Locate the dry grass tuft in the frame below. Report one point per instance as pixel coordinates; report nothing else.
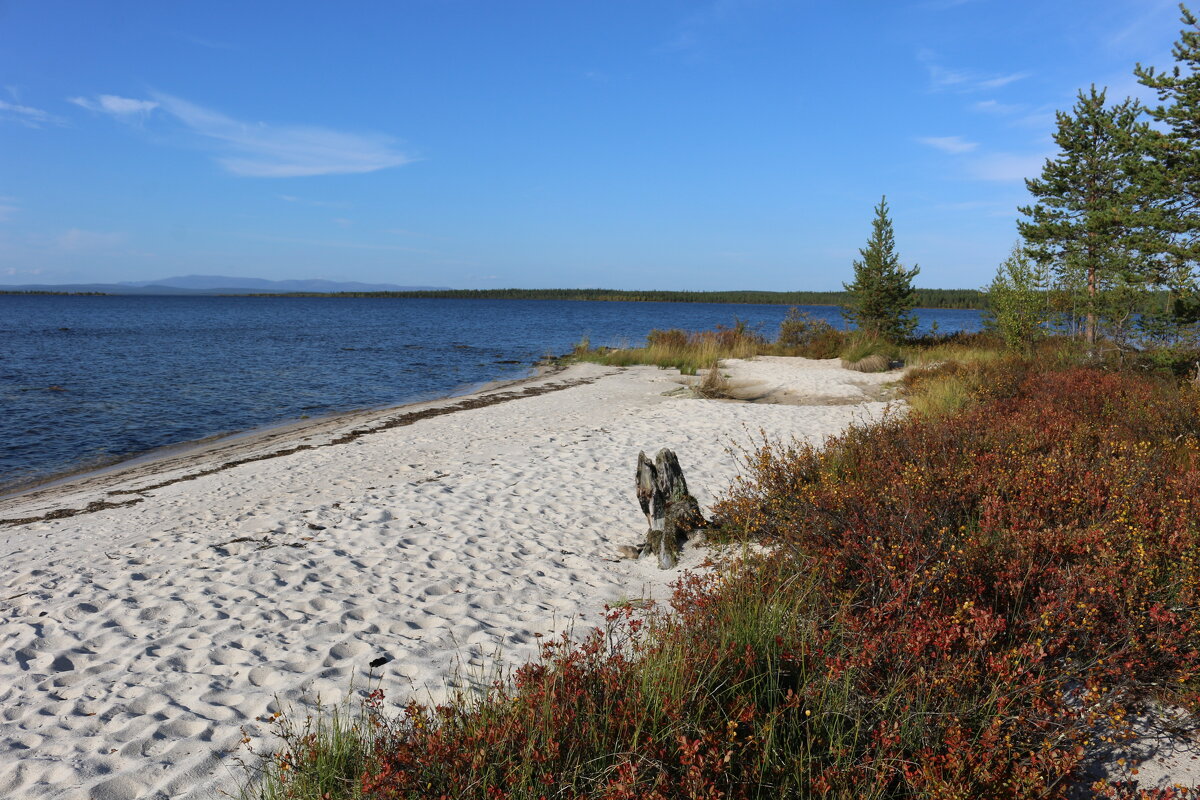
(872, 363)
(714, 384)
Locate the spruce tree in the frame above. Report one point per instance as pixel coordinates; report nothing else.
(882, 295)
(1086, 224)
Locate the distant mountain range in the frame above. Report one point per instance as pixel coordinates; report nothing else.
(219, 284)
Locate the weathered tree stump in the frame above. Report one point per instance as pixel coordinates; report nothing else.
(671, 511)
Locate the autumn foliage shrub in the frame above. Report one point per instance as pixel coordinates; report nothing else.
(1034, 554)
(803, 334)
(966, 606)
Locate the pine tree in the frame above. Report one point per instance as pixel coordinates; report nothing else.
(1170, 180)
(1087, 224)
(882, 295)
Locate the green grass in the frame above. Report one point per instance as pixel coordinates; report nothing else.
(940, 395)
(322, 757)
(687, 351)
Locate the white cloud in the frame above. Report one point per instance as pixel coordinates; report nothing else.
(264, 151)
(291, 198)
(8, 207)
(13, 271)
(338, 244)
(1007, 167)
(1144, 30)
(692, 32)
(942, 78)
(949, 144)
(1002, 80)
(211, 44)
(260, 150)
(115, 105)
(27, 115)
(76, 240)
(993, 107)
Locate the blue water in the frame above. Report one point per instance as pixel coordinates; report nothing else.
(137, 373)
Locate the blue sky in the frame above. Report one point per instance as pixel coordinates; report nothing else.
(577, 143)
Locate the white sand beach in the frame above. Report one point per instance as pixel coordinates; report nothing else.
(140, 639)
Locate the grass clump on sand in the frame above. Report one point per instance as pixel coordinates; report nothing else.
(867, 354)
(971, 605)
(325, 756)
(687, 351)
(800, 334)
(714, 384)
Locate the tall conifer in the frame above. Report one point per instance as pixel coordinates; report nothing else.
(1085, 223)
(1170, 180)
(882, 294)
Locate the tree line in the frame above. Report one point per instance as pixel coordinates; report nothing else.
(923, 298)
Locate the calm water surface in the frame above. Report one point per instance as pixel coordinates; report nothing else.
(135, 373)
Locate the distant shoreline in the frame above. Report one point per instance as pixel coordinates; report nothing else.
(936, 299)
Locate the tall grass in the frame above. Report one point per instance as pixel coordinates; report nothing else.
(687, 351)
(323, 756)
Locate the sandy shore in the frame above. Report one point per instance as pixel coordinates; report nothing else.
(149, 613)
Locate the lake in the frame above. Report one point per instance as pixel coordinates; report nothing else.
(86, 381)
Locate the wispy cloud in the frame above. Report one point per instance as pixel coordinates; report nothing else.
(263, 151)
(115, 105)
(1144, 29)
(994, 107)
(12, 272)
(336, 244)
(8, 207)
(77, 240)
(208, 43)
(304, 201)
(1002, 80)
(690, 34)
(1007, 167)
(28, 116)
(942, 78)
(949, 144)
(966, 205)
(942, 5)
(1019, 115)
(987, 208)
(259, 150)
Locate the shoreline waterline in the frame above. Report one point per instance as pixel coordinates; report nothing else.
(197, 450)
(94, 381)
(173, 606)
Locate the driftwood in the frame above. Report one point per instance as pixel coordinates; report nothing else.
(671, 511)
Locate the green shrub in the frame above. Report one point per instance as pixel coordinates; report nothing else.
(801, 334)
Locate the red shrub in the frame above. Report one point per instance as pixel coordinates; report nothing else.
(956, 608)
